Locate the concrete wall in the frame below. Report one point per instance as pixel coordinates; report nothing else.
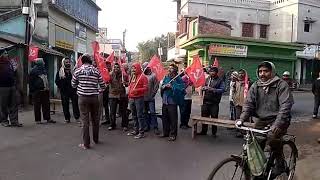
(14, 26)
(230, 13)
(42, 28)
(281, 19)
(209, 27)
(281, 15)
(91, 36)
(13, 3)
(313, 12)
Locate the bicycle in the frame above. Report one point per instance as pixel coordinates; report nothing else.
(240, 162)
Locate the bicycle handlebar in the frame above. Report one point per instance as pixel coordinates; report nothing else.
(252, 129)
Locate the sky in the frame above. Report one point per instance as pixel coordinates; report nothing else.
(143, 19)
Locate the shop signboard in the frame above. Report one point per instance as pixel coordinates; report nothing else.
(64, 39)
(228, 50)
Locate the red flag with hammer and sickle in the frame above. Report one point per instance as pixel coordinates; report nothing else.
(196, 73)
(157, 67)
(33, 53)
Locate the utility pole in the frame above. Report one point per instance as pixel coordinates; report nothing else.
(124, 38)
(26, 12)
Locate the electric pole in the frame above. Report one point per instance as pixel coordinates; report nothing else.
(26, 12)
(124, 38)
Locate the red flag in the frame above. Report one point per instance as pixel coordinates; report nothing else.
(157, 67)
(33, 53)
(124, 73)
(196, 73)
(111, 58)
(215, 63)
(101, 65)
(246, 85)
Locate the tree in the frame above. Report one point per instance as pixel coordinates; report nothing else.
(150, 47)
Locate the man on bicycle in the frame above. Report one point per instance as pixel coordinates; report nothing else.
(269, 100)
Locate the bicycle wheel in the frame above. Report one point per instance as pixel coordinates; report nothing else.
(230, 169)
(290, 153)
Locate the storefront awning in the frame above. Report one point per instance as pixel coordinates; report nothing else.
(51, 51)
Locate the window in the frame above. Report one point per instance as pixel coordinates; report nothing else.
(194, 30)
(263, 31)
(307, 26)
(247, 30)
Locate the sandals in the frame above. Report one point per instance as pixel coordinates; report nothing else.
(82, 146)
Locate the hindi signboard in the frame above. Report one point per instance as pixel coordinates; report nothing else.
(228, 50)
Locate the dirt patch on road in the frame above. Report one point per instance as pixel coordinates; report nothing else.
(307, 134)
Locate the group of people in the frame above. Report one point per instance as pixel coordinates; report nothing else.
(269, 99)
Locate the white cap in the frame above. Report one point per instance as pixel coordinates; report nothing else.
(286, 73)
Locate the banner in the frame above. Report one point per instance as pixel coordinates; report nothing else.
(196, 73)
(156, 67)
(33, 53)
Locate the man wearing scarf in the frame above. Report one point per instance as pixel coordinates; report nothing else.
(63, 82)
(39, 88)
(238, 93)
(270, 101)
(172, 92)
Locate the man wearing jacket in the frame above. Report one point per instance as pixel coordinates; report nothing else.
(270, 101)
(149, 100)
(39, 88)
(117, 96)
(137, 88)
(8, 88)
(63, 82)
(213, 90)
(316, 93)
(172, 92)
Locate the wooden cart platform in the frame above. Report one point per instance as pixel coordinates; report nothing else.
(211, 121)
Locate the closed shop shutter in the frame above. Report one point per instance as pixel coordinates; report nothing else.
(251, 66)
(227, 62)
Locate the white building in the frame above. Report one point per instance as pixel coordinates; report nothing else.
(274, 20)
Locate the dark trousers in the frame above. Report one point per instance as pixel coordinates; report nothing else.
(65, 98)
(41, 101)
(150, 114)
(136, 107)
(238, 111)
(316, 105)
(185, 112)
(123, 105)
(274, 140)
(232, 111)
(8, 105)
(89, 107)
(212, 111)
(170, 119)
(106, 106)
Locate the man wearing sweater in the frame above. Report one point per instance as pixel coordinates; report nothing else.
(149, 100)
(88, 81)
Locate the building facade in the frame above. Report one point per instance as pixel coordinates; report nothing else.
(274, 20)
(64, 26)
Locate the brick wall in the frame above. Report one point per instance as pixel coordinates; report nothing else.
(211, 27)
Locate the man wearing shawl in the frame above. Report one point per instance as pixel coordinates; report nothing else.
(172, 92)
(63, 82)
(270, 101)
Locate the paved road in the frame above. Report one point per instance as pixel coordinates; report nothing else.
(50, 152)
